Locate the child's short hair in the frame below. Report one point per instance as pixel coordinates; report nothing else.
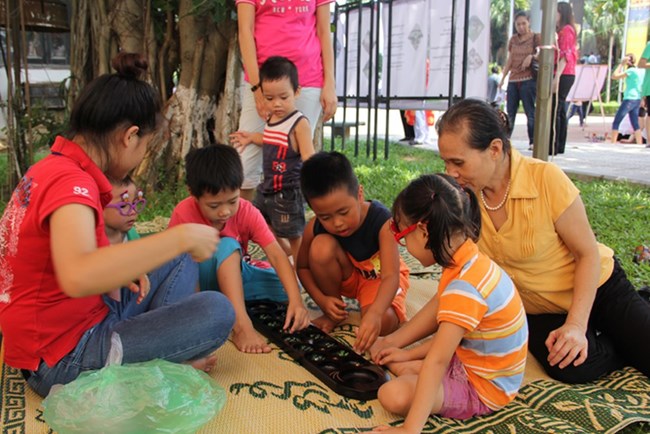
(444, 206)
(213, 169)
(324, 172)
(276, 68)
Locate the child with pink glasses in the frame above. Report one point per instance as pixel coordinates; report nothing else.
(119, 217)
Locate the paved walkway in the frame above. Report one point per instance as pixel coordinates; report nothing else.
(584, 157)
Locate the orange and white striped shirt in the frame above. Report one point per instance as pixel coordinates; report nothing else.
(478, 295)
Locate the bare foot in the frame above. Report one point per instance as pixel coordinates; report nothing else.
(204, 364)
(247, 340)
(325, 323)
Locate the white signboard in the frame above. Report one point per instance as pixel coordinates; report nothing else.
(359, 50)
(419, 34)
(588, 83)
(421, 31)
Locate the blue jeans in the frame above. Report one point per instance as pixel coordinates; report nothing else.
(258, 283)
(526, 92)
(173, 323)
(631, 107)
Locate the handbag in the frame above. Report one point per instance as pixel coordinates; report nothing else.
(534, 65)
(534, 68)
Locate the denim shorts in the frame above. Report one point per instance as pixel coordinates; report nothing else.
(284, 211)
(259, 283)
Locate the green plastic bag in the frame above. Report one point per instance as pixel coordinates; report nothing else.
(149, 397)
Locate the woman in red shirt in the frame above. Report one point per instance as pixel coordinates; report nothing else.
(56, 264)
(565, 75)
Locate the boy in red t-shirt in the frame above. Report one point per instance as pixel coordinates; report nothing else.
(214, 178)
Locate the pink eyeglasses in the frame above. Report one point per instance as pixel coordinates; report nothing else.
(126, 208)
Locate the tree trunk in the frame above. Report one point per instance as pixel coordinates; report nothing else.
(100, 34)
(203, 53)
(133, 27)
(81, 70)
(229, 107)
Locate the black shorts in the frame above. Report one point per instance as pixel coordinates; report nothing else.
(284, 211)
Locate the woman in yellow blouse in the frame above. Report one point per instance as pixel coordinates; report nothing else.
(585, 317)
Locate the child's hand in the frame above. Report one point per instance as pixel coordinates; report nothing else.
(391, 355)
(368, 332)
(380, 344)
(297, 317)
(142, 287)
(199, 240)
(241, 139)
(334, 308)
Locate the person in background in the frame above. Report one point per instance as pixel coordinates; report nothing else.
(493, 84)
(631, 97)
(300, 32)
(644, 62)
(564, 76)
(626, 132)
(409, 133)
(521, 85)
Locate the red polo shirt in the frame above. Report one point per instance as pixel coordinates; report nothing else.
(39, 322)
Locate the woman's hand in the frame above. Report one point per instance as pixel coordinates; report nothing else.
(567, 345)
(297, 317)
(142, 287)
(527, 61)
(328, 101)
(260, 104)
(199, 240)
(555, 84)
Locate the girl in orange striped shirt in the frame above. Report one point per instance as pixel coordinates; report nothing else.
(474, 362)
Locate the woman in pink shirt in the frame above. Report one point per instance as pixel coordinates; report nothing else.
(300, 31)
(565, 75)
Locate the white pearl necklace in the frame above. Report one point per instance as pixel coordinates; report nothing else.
(500, 205)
